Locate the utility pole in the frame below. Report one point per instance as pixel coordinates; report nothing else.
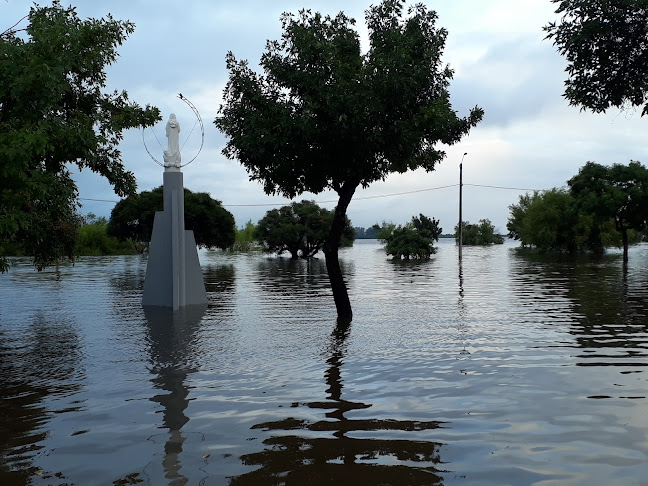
(460, 200)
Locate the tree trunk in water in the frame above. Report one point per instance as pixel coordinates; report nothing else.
(331, 247)
(624, 238)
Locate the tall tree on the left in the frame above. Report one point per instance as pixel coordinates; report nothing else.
(54, 113)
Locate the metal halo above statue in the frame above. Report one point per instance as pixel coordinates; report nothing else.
(172, 156)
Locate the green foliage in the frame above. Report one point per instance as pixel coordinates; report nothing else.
(93, 239)
(132, 219)
(384, 230)
(478, 234)
(617, 192)
(53, 112)
(550, 221)
(212, 224)
(246, 233)
(349, 118)
(300, 229)
(413, 240)
(604, 42)
(427, 227)
(323, 115)
(245, 238)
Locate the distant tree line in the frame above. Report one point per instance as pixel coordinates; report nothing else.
(370, 233)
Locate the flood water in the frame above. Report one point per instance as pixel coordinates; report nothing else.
(505, 370)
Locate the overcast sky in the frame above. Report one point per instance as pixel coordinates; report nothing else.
(529, 139)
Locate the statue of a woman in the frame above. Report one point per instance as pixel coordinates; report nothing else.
(172, 153)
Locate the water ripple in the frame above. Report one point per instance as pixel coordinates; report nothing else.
(506, 368)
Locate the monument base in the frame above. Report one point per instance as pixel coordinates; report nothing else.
(173, 275)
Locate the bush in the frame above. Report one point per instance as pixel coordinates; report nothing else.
(93, 240)
(413, 240)
(478, 234)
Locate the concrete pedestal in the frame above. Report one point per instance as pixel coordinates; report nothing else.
(173, 275)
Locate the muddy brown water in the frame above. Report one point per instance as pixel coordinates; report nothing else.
(507, 369)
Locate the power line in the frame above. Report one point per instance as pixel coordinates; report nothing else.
(408, 192)
(98, 200)
(501, 187)
(356, 198)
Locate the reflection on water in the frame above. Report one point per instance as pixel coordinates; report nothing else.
(604, 301)
(171, 334)
(506, 368)
(341, 459)
(38, 362)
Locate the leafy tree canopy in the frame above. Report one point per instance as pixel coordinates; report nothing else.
(299, 228)
(551, 221)
(482, 233)
(53, 112)
(618, 192)
(604, 42)
(324, 115)
(132, 218)
(413, 240)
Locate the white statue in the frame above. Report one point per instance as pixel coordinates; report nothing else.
(172, 153)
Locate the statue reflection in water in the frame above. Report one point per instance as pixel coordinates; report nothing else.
(171, 336)
(340, 459)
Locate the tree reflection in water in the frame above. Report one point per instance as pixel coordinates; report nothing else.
(171, 335)
(608, 305)
(41, 364)
(295, 459)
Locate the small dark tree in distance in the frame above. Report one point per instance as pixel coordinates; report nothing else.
(132, 218)
(300, 228)
(326, 116)
(480, 234)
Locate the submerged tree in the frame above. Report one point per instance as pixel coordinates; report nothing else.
(548, 221)
(413, 240)
(551, 221)
(618, 192)
(323, 115)
(132, 219)
(482, 233)
(53, 112)
(300, 229)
